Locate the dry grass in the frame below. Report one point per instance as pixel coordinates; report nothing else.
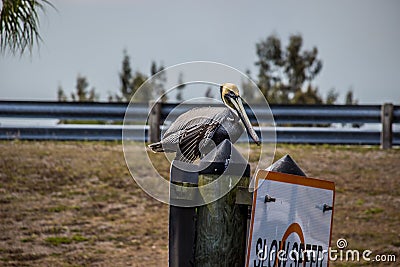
(75, 204)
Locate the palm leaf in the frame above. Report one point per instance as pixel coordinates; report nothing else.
(19, 24)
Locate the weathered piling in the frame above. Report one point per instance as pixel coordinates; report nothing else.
(213, 234)
(221, 225)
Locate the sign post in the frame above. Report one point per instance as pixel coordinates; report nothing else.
(291, 221)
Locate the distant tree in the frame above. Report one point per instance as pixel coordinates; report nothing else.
(164, 97)
(61, 95)
(247, 91)
(129, 83)
(309, 97)
(282, 73)
(159, 80)
(349, 99)
(332, 97)
(154, 69)
(125, 77)
(138, 79)
(82, 93)
(19, 24)
(209, 93)
(114, 97)
(180, 88)
(110, 97)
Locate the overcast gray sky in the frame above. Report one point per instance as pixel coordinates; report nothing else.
(358, 42)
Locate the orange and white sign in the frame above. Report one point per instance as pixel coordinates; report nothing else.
(291, 221)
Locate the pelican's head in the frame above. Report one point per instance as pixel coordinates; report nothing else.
(231, 98)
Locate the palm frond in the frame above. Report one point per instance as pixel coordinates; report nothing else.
(19, 24)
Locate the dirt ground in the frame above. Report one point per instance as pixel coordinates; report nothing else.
(75, 203)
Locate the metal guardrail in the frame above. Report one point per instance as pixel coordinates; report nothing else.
(283, 114)
(74, 132)
(296, 135)
(299, 114)
(96, 111)
(115, 112)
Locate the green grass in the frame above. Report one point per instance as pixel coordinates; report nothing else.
(372, 211)
(58, 240)
(79, 238)
(57, 209)
(359, 202)
(27, 239)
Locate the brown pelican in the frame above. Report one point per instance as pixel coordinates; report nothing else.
(191, 133)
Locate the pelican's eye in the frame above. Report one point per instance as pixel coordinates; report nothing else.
(232, 95)
(229, 97)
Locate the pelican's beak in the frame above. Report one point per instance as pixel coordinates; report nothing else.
(238, 105)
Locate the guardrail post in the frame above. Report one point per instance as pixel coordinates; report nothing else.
(154, 121)
(221, 225)
(387, 121)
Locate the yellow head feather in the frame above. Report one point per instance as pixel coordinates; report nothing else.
(229, 87)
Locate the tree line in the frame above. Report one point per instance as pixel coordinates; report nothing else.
(129, 84)
(285, 76)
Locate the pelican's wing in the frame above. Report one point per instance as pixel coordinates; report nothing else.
(186, 133)
(196, 116)
(191, 139)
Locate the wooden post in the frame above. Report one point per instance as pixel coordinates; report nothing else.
(387, 121)
(154, 121)
(221, 225)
